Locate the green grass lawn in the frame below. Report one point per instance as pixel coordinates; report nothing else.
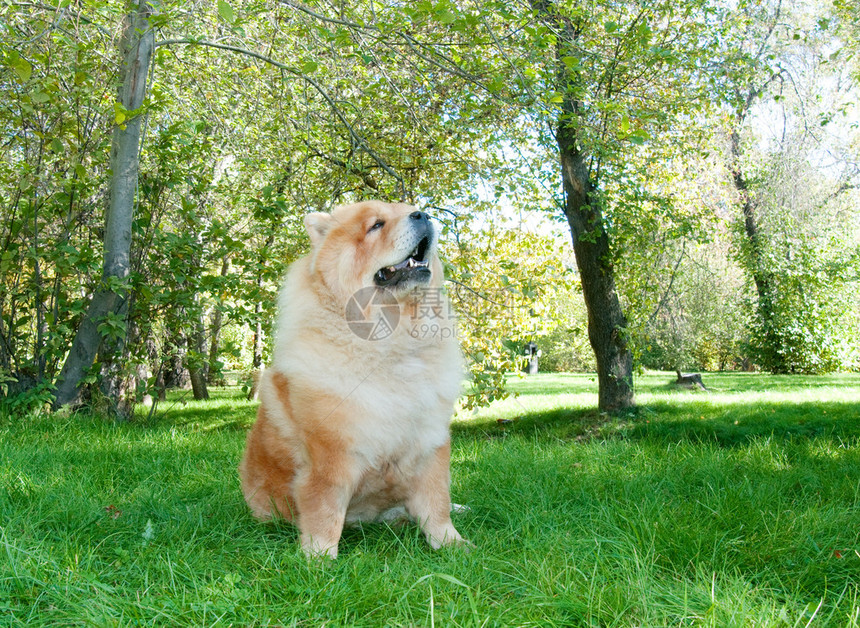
(737, 507)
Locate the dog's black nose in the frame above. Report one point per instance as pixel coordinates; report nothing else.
(419, 216)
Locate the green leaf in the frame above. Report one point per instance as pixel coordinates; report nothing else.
(496, 85)
(120, 113)
(310, 67)
(639, 137)
(510, 345)
(39, 97)
(610, 26)
(572, 63)
(22, 68)
(226, 12)
(113, 326)
(57, 145)
(446, 17)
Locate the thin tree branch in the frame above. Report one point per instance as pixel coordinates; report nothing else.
(324, 18)
(450, 66)
(482, 296)
(662, 302)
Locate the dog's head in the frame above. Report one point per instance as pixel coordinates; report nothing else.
(386, 245)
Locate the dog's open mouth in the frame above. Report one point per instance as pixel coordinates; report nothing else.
(416, 267)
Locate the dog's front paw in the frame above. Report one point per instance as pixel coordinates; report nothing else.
(462, 545)
(315, 549)
(448, 537)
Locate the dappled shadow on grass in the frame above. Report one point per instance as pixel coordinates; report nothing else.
(557, 423)
(773, 507)
(724, 424)
(763, 487)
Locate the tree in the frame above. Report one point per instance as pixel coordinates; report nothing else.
(607, 325)
(778, 58)
(105, 318)
(615, 77)
(51, 181)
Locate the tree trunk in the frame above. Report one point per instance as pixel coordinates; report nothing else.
(156, 365)
(116, 377)
(198, 384)
(196, 358)
(215, 374)
(607, 325)
(41, 326)
(6, 352)
(257, 357)
(761, 277)
(174, 349)
(136, 51)
(749, 210)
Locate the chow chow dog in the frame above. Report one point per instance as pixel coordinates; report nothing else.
(354, 408)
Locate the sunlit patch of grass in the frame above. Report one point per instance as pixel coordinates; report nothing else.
(736, 507)
(226, 408)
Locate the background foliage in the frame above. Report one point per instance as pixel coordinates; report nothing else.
(258, 112)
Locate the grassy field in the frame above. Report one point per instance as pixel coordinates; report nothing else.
(737, 507)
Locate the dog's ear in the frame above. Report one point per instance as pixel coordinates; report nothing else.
(317, 225)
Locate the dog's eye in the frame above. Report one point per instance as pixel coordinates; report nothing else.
(379, 224)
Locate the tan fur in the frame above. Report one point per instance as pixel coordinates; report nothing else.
(349, 428)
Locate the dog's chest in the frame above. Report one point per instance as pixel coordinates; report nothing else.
(397, 432)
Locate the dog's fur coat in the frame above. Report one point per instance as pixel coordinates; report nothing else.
(350, 428)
